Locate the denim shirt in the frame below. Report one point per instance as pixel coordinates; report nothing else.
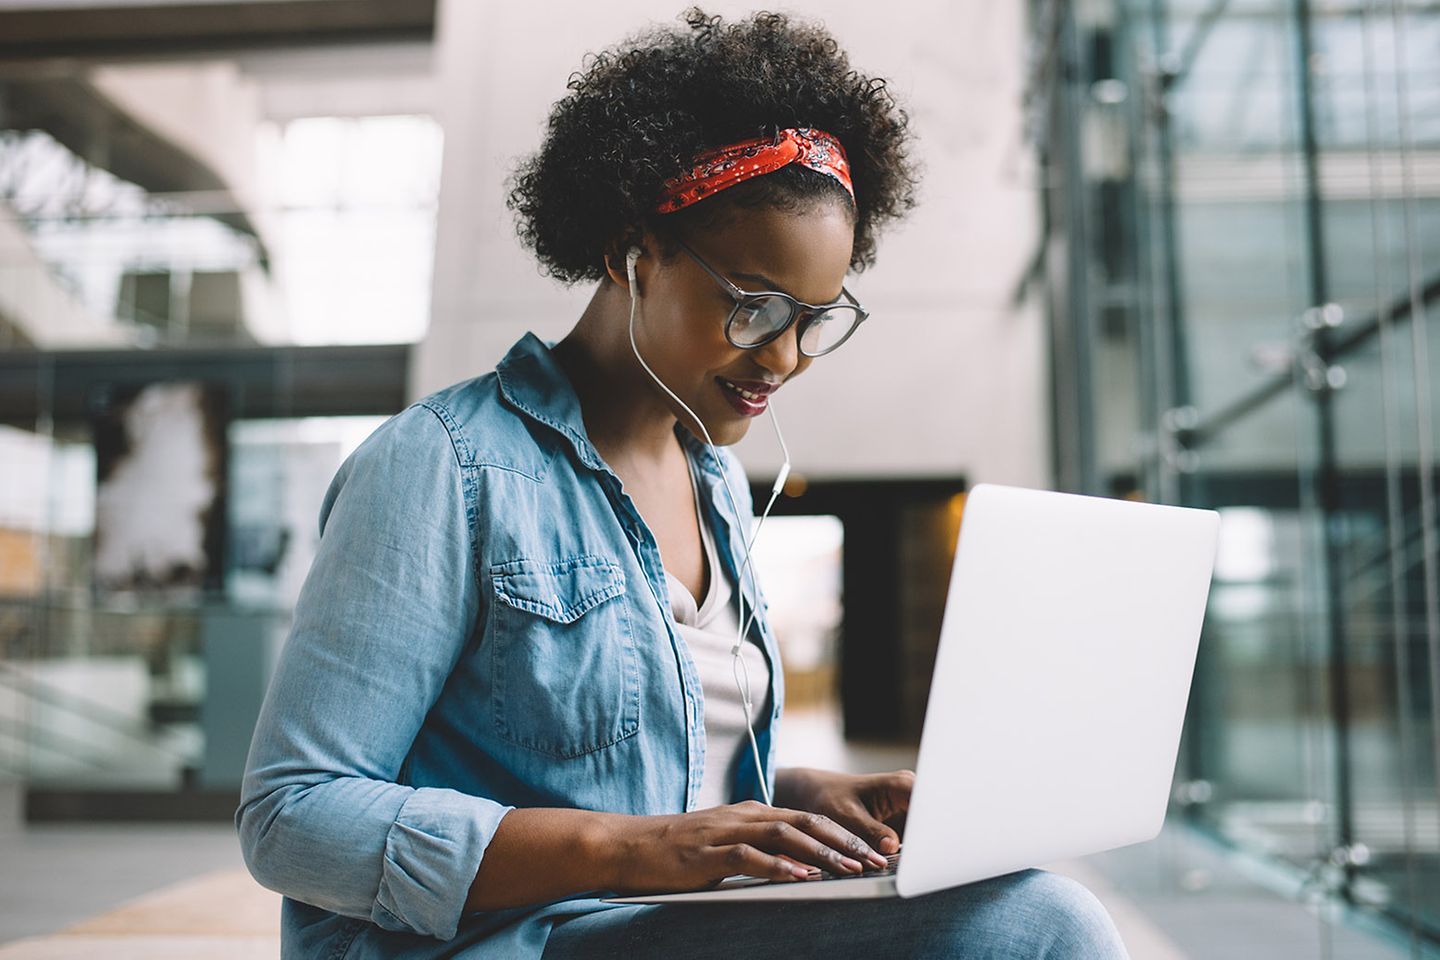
(486, 626)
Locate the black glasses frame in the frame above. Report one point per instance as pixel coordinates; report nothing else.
(804, 313)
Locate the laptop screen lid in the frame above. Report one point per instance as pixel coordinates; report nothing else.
(1060, 684)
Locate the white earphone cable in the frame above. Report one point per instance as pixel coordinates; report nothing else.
(738, 667)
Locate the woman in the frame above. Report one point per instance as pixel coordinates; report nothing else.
(508, 690)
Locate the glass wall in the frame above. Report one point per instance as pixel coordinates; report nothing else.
(205, 305)
(326, 202)
(149, 683)
(1243, 217)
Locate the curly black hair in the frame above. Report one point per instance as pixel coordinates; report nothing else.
(639, 114)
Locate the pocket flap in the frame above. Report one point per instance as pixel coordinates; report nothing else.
(563, 590)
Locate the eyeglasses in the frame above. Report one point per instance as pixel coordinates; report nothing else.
(758, 318)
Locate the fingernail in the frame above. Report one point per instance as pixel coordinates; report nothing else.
(889, 845)
(851, 864)
(878, 860)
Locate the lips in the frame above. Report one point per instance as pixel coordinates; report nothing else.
(748, 397)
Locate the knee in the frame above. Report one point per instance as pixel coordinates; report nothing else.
(1065, 918)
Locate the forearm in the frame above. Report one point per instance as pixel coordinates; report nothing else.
(541, 854)
(367, 848)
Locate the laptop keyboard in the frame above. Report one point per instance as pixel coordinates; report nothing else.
(892, 862)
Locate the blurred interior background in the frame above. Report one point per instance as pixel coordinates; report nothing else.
(1185, 251)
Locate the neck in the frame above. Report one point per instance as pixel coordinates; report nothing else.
(626, 416)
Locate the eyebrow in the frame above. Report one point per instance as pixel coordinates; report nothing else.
(766, 281)
(776, 288)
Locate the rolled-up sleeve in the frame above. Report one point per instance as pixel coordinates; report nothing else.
(387, 609)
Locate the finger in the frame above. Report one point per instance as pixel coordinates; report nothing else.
(836, 837)
(744, 858)
(861, 821)
(880, 836)
(832, 834)
(780, 837)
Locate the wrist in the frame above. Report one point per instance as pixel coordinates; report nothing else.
(609, 846)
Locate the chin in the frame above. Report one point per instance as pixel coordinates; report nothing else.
(725, 432)
(730, 433)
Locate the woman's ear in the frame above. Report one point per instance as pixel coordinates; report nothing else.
(620, 266)
(615, 269)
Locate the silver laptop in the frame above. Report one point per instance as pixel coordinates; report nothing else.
(1060, 685)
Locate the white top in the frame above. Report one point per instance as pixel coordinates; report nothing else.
(708, 630)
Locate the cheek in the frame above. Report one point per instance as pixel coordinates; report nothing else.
(680, 313)
(705, 318)
(685, 329)
(695, 334)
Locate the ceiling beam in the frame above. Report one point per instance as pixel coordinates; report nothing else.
(169, 29)
(263, 382)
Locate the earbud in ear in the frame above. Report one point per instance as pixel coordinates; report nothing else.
(631, 256)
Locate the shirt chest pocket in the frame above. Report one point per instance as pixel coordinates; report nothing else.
(565, 667)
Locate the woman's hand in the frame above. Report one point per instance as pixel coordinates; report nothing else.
(870, 805)
(691, 851)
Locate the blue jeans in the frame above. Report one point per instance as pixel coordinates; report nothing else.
(1032, 915)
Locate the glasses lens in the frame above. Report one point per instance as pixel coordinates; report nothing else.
(757, 319)
(828, 330)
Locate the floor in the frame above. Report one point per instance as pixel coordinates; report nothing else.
(1178, 898)
(56, 876)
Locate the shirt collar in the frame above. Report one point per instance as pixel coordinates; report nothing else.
(533, 383)
(699, 452)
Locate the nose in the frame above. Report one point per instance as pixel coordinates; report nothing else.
(782, 355)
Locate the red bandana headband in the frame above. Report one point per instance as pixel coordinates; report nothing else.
(715, 170)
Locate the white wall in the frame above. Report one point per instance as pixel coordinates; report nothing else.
(962, 375)
(208, 108)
